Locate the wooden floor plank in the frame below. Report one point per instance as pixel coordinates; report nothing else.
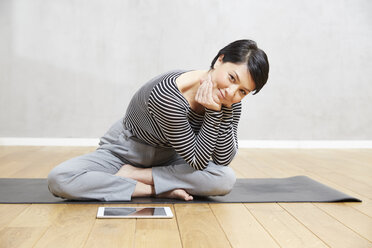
(38, 215)
(10, 211)
(71, 228)
(364, 155)
(335, 161)
(264, 165)
(343, 158)
(20, 237)
(199, 227)
(13, 237)
(113, 233)
(240, 227)
(158, 232)
(10, 152)
(364, 207)
(285, 229)
(247, 168)
(350, 217)
(235, 165)
(45, 160)
(30, 225)
(328, 229)
(16, 161)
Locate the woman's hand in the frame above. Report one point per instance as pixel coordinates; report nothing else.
(205, 95)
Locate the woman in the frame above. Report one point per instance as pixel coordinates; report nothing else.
(173, 126)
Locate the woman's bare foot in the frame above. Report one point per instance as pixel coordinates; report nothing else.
(177, 194)
(143, 175)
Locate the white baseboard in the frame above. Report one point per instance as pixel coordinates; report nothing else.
(339, 144)
(331, 144)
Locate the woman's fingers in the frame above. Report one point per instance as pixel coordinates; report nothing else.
(206, 97)
(209, 78)
(210, 91)
(200, 94)
(202, 91)
(213, 98)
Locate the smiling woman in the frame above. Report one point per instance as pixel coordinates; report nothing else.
(237, 70)
(246, 52)
(177, 138)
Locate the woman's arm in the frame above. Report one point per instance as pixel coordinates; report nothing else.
(171, 116)
(227, 141)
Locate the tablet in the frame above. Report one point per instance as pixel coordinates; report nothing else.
(134, 212)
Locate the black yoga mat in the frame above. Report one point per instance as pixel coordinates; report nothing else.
(291, 189)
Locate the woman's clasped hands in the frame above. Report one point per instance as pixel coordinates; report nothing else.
(206, 95)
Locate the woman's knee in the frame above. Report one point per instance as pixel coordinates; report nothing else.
(55, 179)
(228, 180)
(221, 182)
(59, 180)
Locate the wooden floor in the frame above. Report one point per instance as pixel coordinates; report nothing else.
(202, 225)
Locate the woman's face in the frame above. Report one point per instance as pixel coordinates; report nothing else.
(232, 82)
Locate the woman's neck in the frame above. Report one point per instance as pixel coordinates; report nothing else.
(188, 84)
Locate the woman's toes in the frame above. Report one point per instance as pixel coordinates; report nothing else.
(177, 194)
(184, 195)
(189, 198)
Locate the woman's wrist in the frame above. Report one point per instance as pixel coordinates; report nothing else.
(229, 106)
(215, 115)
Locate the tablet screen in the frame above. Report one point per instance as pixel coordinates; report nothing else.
(134, 211)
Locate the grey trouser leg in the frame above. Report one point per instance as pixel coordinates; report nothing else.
(91, 176)
(214, 180)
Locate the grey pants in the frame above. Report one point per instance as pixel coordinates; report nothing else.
(92, 176)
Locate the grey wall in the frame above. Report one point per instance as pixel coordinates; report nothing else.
(69, 68)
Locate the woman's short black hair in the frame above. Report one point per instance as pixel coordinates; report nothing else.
(246, 51)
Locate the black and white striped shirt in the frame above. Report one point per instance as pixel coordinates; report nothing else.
(161, 116)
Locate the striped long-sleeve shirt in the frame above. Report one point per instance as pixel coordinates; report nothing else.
(161, 116)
